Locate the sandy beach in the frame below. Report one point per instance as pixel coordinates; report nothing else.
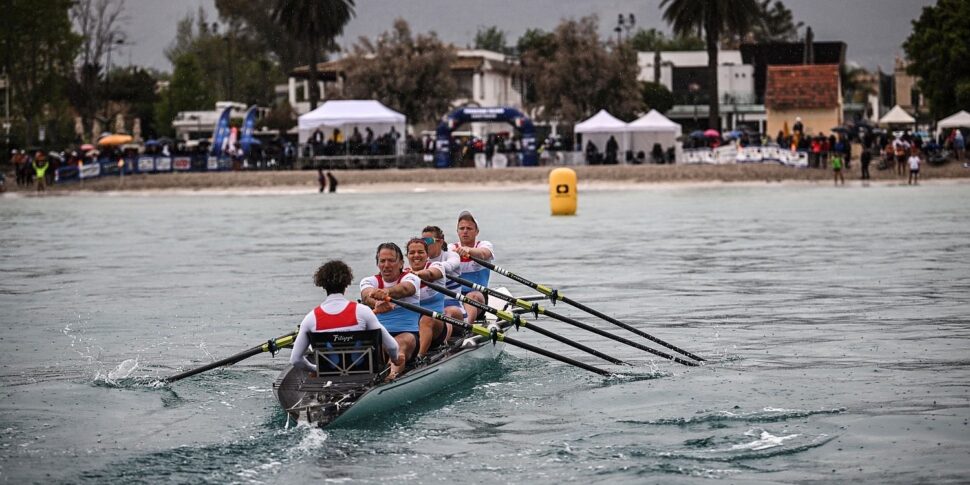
(536, 178)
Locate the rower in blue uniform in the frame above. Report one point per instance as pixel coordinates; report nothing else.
(469, 245)
(393, 282)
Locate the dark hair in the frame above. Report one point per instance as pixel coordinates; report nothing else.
(334, 276)
(468, 217)
(419, 240)
(389, 245)
(438, 234)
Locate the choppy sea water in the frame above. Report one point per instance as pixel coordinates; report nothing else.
(835, 323)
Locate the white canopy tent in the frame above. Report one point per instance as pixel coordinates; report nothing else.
(600, 127)
(958, 120)
(349, 114)
(897, 116)
(652, 128)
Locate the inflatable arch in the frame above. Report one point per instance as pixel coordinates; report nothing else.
(460, 116)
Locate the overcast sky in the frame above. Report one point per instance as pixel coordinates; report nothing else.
(874, 30)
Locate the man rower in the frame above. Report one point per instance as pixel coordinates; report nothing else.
(438, 252)
(393, 282)
(433, 332)
(469, 245)
(337, 314)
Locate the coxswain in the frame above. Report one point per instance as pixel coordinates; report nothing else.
(393, 282)
(469, 245)
(433, 332)
(438, 252)
(337, 314)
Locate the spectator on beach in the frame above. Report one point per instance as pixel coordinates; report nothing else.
(40, 166)
(322, 179)
(798, 127)
(901, 150)
(20, 167)
(836, 159)
(865, 159)
(914, 163)
(612, 147)
(592, 153)
(332, 182)
(959, 144)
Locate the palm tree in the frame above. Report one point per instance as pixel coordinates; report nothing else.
(315, 23)
(715, 18)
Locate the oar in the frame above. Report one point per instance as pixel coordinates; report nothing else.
(539, 310)
(494, 334)
(271, 345)
(554, 295)
(515, 320)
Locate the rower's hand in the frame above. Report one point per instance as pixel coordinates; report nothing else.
(379, 294)
(464, 251)
(383, 307)
(399, 361)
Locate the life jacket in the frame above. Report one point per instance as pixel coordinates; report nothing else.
(329, 321)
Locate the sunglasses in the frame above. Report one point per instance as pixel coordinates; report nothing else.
(427, 240)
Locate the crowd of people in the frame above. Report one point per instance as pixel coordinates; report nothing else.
(407, 336)
(357, 144)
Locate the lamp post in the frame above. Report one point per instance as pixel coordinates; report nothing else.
(107, 77)
(694, 88)
(228, 39)
(624, 23)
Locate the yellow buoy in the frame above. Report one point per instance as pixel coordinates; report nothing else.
(562, 191)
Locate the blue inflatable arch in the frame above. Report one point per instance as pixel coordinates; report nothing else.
(460, 116)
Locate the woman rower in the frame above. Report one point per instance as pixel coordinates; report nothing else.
(433, 332)
(337, 314)
(393, 282)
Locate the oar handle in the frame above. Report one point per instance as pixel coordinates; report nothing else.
(479, 330)
(550, 292)
(271, 345)
(516, 320)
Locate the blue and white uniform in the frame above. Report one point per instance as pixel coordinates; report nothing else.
(473, 271)
(399, 319)
(452, 264)
(431, 299)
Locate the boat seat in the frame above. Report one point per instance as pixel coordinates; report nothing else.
(345, 357)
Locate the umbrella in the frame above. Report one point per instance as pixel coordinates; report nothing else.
(151, 143)
(712, 133)
(165, 141)
(840, 129)
(114, 140)
(696, 134)
(87, 147)
(733, 135)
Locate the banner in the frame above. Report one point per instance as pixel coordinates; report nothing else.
(90, 170)
(212, 163)
(220, 134)
(182, 164)
(146, 164)
(246, 138)
(163, 164)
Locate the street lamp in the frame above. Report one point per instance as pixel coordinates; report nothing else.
(107, 76)
(228, 40)
(624, 23)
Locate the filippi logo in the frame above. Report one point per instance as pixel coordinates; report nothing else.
(343, 338)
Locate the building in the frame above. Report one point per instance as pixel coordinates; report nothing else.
(484, 78)
(905, 92)
(811, 92)
(194, 125)
(685, 74)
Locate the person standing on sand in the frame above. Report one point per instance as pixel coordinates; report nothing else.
(333, 182)
(865, 159)
(40, 169)
(914, 162)
(322, 179)
(836, 160)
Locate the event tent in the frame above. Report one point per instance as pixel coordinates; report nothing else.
(651, 128)
(349, 114)
(897, 116)
(598, 130)
(958, 120)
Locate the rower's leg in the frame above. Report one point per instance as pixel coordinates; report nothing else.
(426, 331)
(470, 310)
(406, 344)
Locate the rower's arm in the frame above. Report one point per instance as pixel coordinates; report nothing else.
(405, 288)
(366, 298)
(430, 274)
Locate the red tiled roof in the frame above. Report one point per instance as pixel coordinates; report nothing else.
(807, 87)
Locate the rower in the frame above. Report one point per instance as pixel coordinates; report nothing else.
(337, 314)
(433, 332)
(393, 282)
(469, 245)
(438, 252)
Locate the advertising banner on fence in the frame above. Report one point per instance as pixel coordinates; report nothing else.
(163, 164)
(212, 163)
(146, 164)
(90, 170)
(182, 164)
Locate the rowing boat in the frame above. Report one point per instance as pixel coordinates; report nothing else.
(339, 402)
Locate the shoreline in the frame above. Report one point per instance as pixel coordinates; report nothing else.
(590, 178)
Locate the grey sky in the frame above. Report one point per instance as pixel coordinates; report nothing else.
(874, 30)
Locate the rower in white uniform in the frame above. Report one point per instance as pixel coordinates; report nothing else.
(438, 252)
(392, 281)
(337, 314)
(433, 332)
(469, 245)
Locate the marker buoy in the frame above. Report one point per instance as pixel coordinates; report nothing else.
(562, 191)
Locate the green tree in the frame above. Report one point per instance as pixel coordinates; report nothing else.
(574, 75)
(99, 24)
(938, 50)
(186, 92)
(134, 90)
(539, 45)
(316, 23)
(715, 18)
(253, 19)
(492, 39)
(656, 96)
(38, 49)
(652, 40)
(777, 24)
(409, 74)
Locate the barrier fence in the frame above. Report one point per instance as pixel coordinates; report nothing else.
(142, 164)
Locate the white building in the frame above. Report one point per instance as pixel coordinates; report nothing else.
(484, 78)
(193, 125)
(685, 74)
